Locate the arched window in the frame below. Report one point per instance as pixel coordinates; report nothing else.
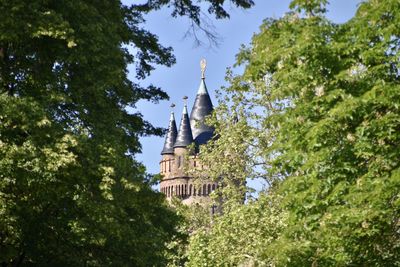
(190, 190)
(194, 190)
(205, 190)
(185, 190)
(209, 189)
(213, 187)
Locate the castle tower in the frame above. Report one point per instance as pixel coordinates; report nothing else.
(178, 160)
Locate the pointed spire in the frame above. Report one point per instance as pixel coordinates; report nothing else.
(202, 88)
(170, 138)
(202, 107)
(185, 136)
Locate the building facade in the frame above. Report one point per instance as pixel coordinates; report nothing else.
(178, 160)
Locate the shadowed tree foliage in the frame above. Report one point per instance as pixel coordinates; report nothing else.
(71, 192)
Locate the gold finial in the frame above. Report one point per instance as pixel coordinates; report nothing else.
(185, 98)
(203, 65)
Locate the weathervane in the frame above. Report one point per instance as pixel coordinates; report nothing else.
(203, 65)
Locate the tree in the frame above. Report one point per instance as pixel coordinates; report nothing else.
(323, 105)
(241, 237)
(71, 192)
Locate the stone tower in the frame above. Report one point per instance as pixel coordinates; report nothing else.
(176, 180)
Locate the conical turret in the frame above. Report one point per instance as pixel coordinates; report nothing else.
(185, 136)
(170, 138)
(202, 107)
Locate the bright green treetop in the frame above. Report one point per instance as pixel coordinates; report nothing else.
(321, 104)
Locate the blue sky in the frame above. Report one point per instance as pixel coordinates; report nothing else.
(184, 77)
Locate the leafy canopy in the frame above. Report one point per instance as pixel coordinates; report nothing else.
(320, 102)
(71, 192)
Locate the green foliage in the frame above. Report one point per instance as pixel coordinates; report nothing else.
(193, 10)
(71, 193)
(195, 219)
(241, 237)
(320, 102)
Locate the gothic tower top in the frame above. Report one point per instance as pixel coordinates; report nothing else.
(171, 135)
(178, 164)
(185, 136)
(202, 107)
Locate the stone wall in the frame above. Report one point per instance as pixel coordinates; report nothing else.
(177, 183)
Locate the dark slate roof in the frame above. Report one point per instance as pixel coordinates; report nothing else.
(170, 137)
(201, 108)
(185, 136)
